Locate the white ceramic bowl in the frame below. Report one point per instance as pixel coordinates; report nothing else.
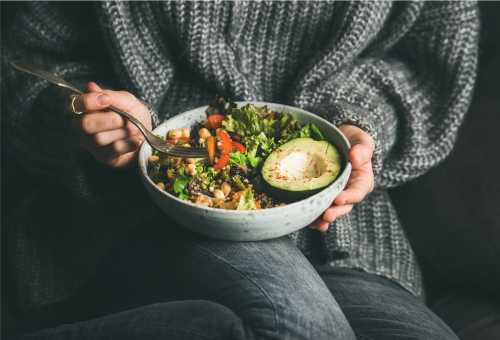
(251, 225)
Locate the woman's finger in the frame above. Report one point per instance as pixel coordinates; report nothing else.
(360, 154)
(104, 138)
(361, 180)
(110, 153)
(92, 87)
(360, 183)
(70, 104)
(335, 211)
(93, 101)
(357, 136)
(354, 194)
(330, 215)
(96, 122)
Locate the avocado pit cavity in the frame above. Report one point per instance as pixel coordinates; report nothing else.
(300, 165)
(301, 168)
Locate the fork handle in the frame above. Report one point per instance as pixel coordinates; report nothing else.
(134, 120)
(36, 71)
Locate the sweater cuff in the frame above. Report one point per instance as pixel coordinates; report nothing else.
(345, 113)
(155, 120)
(337, 240)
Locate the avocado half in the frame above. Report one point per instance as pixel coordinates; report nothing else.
(300, 168)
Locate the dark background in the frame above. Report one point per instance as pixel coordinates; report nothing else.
(451, 214)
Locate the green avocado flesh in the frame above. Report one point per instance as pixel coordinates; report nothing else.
(301, 168)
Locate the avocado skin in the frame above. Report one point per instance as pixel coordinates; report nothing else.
(290, 196)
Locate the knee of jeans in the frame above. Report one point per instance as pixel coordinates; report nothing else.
(193, 319)
(292, 310)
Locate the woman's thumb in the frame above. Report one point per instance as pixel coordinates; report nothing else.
(360, 154)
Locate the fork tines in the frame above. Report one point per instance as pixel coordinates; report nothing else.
(188, 152)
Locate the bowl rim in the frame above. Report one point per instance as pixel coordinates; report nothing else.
(143, 167)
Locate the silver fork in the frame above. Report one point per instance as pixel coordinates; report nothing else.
(155, 142)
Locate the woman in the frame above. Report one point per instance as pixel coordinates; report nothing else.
(396, 77)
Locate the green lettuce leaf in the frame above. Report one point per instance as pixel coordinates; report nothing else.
(308, 131)
(180, 185)
(255, 162)
(238, 158)
(304, 132)
(286, 126)
(246, 201)
(267, 145)
(208, 173)
(237, 181)
(315, 133)
(259, 145)
(249, 120)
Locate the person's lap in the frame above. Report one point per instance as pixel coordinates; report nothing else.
(170, 281)
(377, 308)
(269, 285)
(181, 285)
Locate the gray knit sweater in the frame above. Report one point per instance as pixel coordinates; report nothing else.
(403, 72)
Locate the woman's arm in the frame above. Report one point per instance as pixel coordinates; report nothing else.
(409, 87)
(57, 219)
(409, 90)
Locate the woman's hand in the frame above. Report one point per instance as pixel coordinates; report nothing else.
(112, 139)
(361, 180)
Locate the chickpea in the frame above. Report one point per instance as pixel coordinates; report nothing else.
(204, 133)
(190, 170)
(225, 188)
(185, 133)
(219, 194)
(174, 134)
(153, 160)
(190, 160)
(160, 185)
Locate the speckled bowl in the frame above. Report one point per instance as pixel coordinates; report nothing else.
(252, 225)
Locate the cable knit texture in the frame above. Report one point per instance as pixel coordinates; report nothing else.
(403, 72)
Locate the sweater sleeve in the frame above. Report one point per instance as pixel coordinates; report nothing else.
(57, 217)
(409, 86)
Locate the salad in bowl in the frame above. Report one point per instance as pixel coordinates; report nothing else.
(284, 168)
(259, 158)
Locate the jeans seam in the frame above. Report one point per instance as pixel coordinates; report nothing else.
(239, 271)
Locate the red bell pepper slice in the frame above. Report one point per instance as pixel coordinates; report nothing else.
(238, 147)
(225, 142)
(215, 121)
(225, 149)
(221, 162)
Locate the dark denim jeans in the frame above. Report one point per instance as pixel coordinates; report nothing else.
(169, 283)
